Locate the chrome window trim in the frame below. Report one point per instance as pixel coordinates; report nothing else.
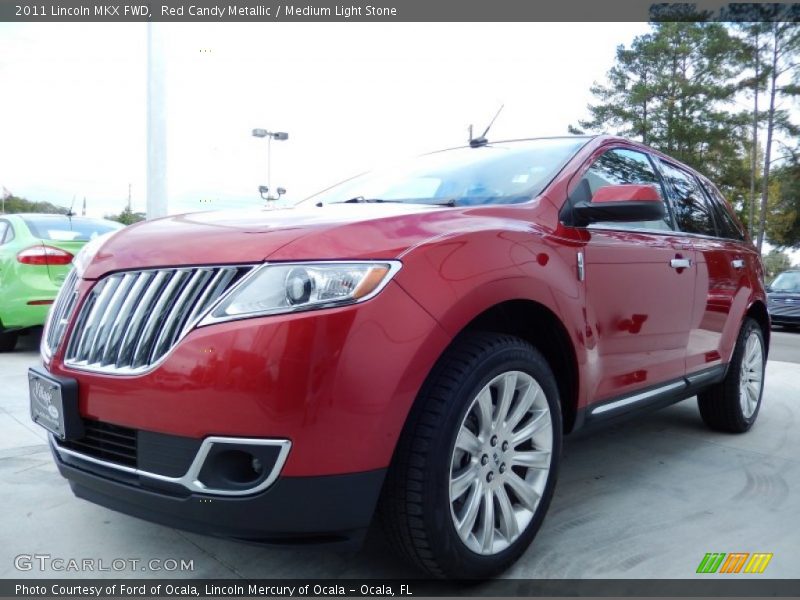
(190, 479)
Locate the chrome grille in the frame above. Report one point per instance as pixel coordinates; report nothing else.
(61, 313)
(130, 320)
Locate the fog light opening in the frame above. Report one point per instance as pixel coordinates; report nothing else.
(236, 466)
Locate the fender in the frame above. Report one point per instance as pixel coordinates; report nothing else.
(484, 269)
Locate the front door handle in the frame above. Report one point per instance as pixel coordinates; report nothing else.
(680, 263)
(738, 263)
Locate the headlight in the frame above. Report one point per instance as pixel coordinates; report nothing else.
(283, 288)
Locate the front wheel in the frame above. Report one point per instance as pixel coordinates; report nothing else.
(476, 466)
(733, 404)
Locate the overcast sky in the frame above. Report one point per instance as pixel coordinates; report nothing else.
(73, 101)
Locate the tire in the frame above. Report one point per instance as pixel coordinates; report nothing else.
(8, 340)
(732, 405)
(427, 470)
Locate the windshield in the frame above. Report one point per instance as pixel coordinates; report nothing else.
(788, 281)
(59, 228)
(503, 173)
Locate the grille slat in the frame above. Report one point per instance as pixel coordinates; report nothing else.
(153, 284)
(122, 322)
(130, 321)
(89, 438)
(109, 315)
(63, 308)
(144, 349)
(173, 314)
(86, 335)
(105, 441)
(123, 438)
(215, 288)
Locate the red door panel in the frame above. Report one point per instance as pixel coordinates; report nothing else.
(723, 290)
(641, 308)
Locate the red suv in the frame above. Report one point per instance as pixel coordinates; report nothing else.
(412, 343)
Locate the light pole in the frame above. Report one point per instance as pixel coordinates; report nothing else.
(270, 135)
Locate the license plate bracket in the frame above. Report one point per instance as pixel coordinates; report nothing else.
(54, 404)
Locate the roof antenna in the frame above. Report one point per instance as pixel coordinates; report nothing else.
(477, 142)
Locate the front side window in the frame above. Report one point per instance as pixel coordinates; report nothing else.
(616, 167)
(498, 173)
(693, 213)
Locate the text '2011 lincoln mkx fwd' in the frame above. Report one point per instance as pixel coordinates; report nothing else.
(409, 345)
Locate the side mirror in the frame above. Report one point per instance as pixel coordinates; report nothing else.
(620, 203)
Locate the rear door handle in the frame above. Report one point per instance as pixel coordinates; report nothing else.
(680, 263)
(738, 263)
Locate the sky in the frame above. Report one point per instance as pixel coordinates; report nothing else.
(350, 95)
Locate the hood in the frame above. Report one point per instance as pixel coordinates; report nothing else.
(793, 296)
(337, 231)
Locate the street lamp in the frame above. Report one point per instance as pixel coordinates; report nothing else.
(270, 135)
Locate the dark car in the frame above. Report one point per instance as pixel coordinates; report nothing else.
(784, 299)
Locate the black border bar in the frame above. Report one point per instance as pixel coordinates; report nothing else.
(390, 11)
(708, 586)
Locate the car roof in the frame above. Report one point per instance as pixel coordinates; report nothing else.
(518, 140)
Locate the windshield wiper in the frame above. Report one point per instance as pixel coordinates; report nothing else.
(360, 199)
(432, 201)
(438, 201)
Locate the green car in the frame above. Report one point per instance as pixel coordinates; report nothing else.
(35, 256)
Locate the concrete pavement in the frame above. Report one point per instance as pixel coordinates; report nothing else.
(646, 499)
(785, 345)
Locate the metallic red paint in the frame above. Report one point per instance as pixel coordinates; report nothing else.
(626, 193)
(340, 382)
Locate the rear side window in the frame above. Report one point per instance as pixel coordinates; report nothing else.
(616, 167)
(62, 229)
(3, 232)
(693, 212)
(728, 228)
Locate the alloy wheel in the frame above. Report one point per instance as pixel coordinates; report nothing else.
(500, 462)
(751, 375)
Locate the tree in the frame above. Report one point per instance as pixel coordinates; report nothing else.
(783, 224)
(15, 204)
(127, 216)
(783, 45)
(776, 262)
(629, 94)
(752, 60)
(670, 89)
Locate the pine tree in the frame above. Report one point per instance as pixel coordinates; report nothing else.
(670, 89)
(782, 67)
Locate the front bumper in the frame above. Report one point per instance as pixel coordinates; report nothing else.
(338, 383)
(319, 509)
(785, 315)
